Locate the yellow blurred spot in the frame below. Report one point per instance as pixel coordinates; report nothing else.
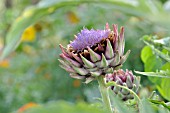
(73, 17)
(18, 19)
(27, 106)
(134, 19)
(51, 9)
(76, 83)
(27, 13)
(1, 43)
(28, 49)
(4, 63)
(29, 35)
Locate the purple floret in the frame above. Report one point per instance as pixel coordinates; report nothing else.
(88, 38)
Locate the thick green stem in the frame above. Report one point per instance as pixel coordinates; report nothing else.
(104, 93)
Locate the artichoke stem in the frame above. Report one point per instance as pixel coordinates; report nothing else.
(104, 93)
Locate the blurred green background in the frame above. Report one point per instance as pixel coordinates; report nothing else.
(31, 74)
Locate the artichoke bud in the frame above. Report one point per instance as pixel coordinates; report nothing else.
(123, 78)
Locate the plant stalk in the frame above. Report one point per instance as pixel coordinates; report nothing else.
(104, 93)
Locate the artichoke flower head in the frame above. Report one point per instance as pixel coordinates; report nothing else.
(94, 53)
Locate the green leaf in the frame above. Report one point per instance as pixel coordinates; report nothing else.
(119, 105)
(160, 103)
(153, 63)
(158, 52)
(162, 109)
(164, 88)
(146, 53)
(164, 41)
(161, 79)
(166, 66)
(162, 55)
(165, 83)
(146, 107)
(161, 74)
(165, 51)
(167, 48)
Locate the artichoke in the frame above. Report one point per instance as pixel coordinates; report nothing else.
(94, 52)
(126, 79)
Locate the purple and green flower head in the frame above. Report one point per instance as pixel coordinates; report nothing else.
(94, 53)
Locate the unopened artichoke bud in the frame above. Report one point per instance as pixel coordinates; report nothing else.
(126, 79)
(94, 52)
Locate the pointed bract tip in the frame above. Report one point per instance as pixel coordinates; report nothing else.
(121, 33)
(61, 46)
(109, 50)
(76, 76)
(71, 42)
(88, 80)
(115, 30)
(115, 27)
(62, 56)
(107, 26)
(62, 49)
(75, 37)
(122, 28)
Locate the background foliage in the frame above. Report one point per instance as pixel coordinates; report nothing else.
(30, 31)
